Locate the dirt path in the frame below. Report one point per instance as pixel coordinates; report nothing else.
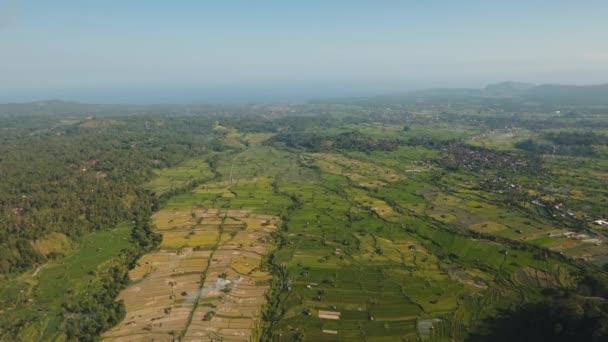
(232, 169)
(39, 269)
(203, 278)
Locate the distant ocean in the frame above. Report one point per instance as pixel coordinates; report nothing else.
(194, 94)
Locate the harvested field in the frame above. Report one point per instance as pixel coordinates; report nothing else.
(207, 290)
(329, 314)
(536, 277)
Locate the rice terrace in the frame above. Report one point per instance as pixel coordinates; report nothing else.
(212, 289)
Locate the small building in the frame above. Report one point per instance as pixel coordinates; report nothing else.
(601, 222)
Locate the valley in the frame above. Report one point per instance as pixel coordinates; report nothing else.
(332, 227)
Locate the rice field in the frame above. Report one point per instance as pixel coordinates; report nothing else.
(378, 246)
(173, 178)
(212, 288)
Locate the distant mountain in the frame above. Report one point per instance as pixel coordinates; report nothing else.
(569, 94)
(445, 93)
(507, 89)
(54, 102)
(508, 92)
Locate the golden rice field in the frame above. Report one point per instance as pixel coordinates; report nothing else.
(205, 284)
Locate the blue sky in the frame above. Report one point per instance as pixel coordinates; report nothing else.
(60, 44)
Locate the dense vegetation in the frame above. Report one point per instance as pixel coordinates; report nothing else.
(81, 177)
(569, 143)
(93, 309)
(349, 141)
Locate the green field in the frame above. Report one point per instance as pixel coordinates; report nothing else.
(72, 271)
(45, 291)
(176, 177)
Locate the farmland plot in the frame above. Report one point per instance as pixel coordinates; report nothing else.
(200, 288)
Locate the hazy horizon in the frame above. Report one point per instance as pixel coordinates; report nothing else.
(239, 51)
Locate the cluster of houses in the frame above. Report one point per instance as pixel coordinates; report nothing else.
(461, 156)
